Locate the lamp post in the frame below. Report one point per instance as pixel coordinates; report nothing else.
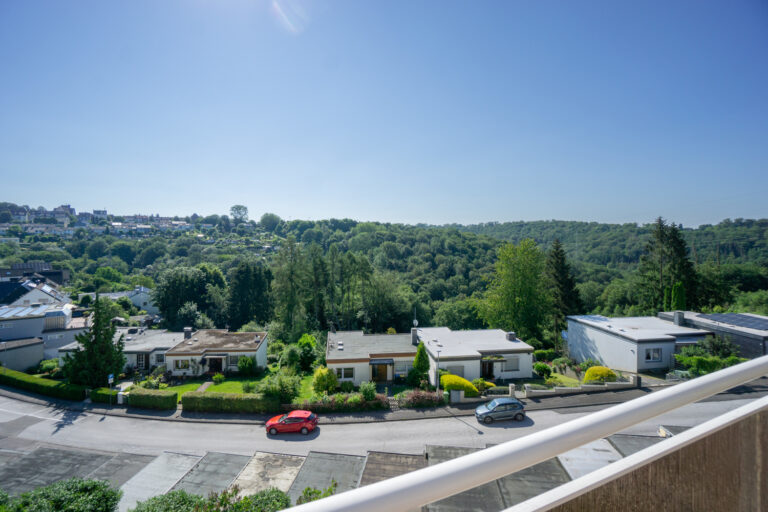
(437, 372)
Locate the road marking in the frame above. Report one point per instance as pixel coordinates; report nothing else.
(37, 416)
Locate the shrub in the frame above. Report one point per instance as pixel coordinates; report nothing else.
(249, 387)
(498, 390)
(267, 500)
(454, 382)
(42, 386)
(561, 363)
(291, 357)
(482, 385)
(419, 398)
(200, 401)
(543, 370)
(153, 398)
(104, 395)
(545, 355)
(312, 494)
(307, 344)
(341, 402)
(551, 382)
(150, 383)
(701, 365)
(48, 365)
(324, 380)
(159, 372)
(280, 387)
(218, 378)
(246, 366)
(73, 495)
(368, 390)
(600, 374)
(347, 386)
(415, 377)
(586, 365)
(174, 501)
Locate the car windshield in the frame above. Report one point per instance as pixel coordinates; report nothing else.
(283, 418)
(312, 416)
(492, 404)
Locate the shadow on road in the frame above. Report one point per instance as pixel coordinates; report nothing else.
(68, 417)
(294, 437)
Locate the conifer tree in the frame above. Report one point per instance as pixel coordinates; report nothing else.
(565, 296)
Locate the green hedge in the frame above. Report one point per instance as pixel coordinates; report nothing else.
(450, 382)
(153, 398)
(600, 374)
(545, 355)
(104, 395)
(340, 402)
(200, 401)
(40, 385)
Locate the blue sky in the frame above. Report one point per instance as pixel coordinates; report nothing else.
(401, 111)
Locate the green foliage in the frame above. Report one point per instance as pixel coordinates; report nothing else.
(246, 366)
(42, 386)
(417, 398)
(173, 501)
(73, 495)
(482, 385)
(545, 354)
(561, 363)
(543, 370)
(248, 387)
(201, 401)
(48, 365)
(248, 295)
(153, 398)
(104, 395)
(324, 380)
(718, 345)
(751, 302)
(269, 221)
(267, 500)
(341, 402)
(368, 390)
(453, 382)
(421, 360)
(702, 365)
(458, 313)
(291, 358)
(307, 345)
(347, 386)
(280, 387)
(312, 494)
(678, 297)
(599, 374)
(99, 356)
(218, 378)
(565, 296)
(586, 365)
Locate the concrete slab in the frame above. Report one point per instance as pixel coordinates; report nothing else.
(18, 445)
(381, 466)
(532, 481)
(626, 445)
(157, 477)
(320, 468)
(589, 457)
(674, 429)
(266, 470)
(121, 468)
(213, 473)
(45, 466)
(18, 425)
(484, 498)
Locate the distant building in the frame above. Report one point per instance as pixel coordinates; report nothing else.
(55, 325)
(141, 297)
(213, 351)
(747, 331)
(100, 214)
(35, 270)
(21, 354)
(30, 292)
(359, 357)
(631, 344)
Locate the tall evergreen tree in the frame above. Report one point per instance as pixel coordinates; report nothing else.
(248, 299)
(565, 296)
(99, 354)
(678, 297)
(289, 288)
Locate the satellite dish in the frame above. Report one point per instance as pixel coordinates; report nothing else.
(415, 323)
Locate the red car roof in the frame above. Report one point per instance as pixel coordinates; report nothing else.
(299, 414)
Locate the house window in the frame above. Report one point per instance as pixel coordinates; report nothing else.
(653, 355)
(511, 364)
(159, 358)
(455, 370)
(140, 361)
(181, 364)
(233, 360)
(345, 373)
(403, 367)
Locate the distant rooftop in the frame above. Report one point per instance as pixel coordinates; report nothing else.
(32, 311)
(748, 324)
(639, 328)
(469, 344)
(358, 345)
(212, 340)
(138, 340)
(24, 342)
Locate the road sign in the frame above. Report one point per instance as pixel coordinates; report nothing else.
(111, 378)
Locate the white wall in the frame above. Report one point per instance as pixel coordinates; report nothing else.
(35, 297)
(261, 353)
(143, 301)
(667, 355)
(525, 368)
(362, 371)
(471, 368)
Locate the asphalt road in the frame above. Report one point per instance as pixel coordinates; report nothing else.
(119, 434)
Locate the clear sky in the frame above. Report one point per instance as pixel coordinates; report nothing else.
(402, 111)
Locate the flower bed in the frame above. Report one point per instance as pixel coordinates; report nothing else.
(417, 398)
(340, 402)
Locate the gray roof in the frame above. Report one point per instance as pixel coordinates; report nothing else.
(357, 345)
(639, 328)
(207, 340)
(469, 344)
(745, 324)
(140, 340)
(32, 311)
(23, 342)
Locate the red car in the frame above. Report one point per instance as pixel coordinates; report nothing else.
(295, 421)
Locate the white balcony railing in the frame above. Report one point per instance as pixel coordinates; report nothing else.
(418, 488)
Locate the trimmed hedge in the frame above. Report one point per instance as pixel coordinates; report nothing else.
(153, 398)
(545, 355)
(341, 402)
(200, 401)
(600, 374)
(451, 382)
(498, 390)
(42, 386)
(417, 398)
(104, 395)
(543, 370)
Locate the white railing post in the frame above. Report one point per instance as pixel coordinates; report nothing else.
(433, 483)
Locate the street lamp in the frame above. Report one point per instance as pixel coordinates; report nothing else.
(437, 371)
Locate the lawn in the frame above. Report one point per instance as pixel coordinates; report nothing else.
(232, 385)
(305, 391)
(564, 380)
(184, 388)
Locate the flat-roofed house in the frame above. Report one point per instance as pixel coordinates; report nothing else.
(749, 332)
(357, 357)
(630, 344)
(215, 350)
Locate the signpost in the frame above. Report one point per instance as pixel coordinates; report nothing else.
(110, 380)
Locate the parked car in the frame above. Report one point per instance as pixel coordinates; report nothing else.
(295, 421)
(500, 409)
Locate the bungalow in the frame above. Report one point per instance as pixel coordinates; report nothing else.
(357, 357)
(747, 331)
(629, 344)
(212, 351)
(483, 353)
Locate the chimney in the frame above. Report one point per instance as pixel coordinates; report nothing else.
(414, 336)
(187, 333)
(511, 336)
(678, 317)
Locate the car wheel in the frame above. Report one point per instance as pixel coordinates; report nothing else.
(519, 417)
(304, 430)
(273, 431)
(487, 420)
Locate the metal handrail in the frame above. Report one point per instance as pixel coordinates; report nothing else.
(418, 488)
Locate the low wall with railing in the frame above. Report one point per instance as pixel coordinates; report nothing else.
(531, 392)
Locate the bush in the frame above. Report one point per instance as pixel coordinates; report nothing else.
(543, 370)
(561, 363)
(246, 366)
(418, 398)
(701, 365)
(482, 385)
(73, 495)
(150, 383)
(153, 398)
(586, 365)
(249, 387)
(600, 374)
(48, 365)
(341, 402)
(454, 382)
(42, 386)
(201, 401)
(347, 386)
(550, 383)
(545, 355)
(324, 380)
(174, 501)
(368, 390)
(267, 500)
(104, 395)
(498, 390)
(280, 387)
(218, 378)
(415, 377)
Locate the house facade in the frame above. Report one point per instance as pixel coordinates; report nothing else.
(357, 357)
(631, 344)
(748, 332)
(214, 351)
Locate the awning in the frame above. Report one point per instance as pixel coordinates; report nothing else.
(492, 357)
(381, 361)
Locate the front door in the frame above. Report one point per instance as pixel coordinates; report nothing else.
(214, 364)
(379, 372)
(486, 369)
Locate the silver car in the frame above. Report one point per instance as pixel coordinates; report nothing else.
(500, 409)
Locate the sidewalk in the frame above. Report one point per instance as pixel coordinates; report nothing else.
(755, 388)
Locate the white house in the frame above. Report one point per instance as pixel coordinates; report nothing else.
(747, 331)
(141, 297)
(31, 292)
(629, 344)
(213, 351)
(483, 353)
(357, 357)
